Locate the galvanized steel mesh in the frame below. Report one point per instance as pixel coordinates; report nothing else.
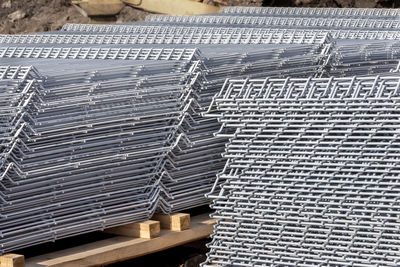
(311, 176)
(284, 22)
(312, 12)
(98, 147)
(103, 125)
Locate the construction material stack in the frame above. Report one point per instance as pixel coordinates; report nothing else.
(311, 171)
(104, 125)
(115, 131)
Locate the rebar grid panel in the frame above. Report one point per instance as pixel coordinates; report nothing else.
(177, 178)
(312, 165)
(149, 54)
(283, 22)
(65, 133)
(18, 73)
(364, 58)
(63, 125)
(312, 12)
(186, 166)
(157, 29)
(202, 29)
(129, 29)
(98, 53)
(244, 38)
(150, 29)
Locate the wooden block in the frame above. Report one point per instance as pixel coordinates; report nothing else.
(122, 248)
(147, 229)
(175, 222)
(12, 260)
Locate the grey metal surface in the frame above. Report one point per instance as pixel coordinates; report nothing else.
(109, 146)
(315, 12)
(176, 38)
(311, 173)
(283, 22)
(84, 151)
(102, 125)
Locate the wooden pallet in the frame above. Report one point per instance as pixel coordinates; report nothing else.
(132, 240)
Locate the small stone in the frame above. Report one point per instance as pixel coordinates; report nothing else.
(302, 2)
(365, 3)
(6, 4)
(17, 15)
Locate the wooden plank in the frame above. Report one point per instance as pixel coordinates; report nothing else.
(12, 260)
(147, 229)
(173, 222)
(122, 248)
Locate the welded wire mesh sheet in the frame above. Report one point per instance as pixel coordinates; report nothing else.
(61, 129)
(98, 53)
(185, 28)
(339, 28)
(311, 176)
(179, 69)
(390, 13)
(313, 23)
(201, 161)
(212, 38)
(173, 179)
(363, 58)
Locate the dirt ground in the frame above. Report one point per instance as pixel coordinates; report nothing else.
(28, 16)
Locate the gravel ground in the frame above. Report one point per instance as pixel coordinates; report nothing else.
(27, 16)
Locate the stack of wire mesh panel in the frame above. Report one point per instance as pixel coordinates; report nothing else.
(115, 131)
(353, 58)
(312, 12)
(130, 98)
(311, 163)
(156, 27)
(199, 162)
(346, 24)
(311, 173)
(83, 153)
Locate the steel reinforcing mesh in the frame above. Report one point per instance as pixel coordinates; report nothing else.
(312, 173)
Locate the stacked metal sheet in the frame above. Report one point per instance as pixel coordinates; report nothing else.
(283, 22)
(83, 153)
(104, 126)
(311, 173)
(115, 128)
(165, 39)
(353, 27)
(190, 166)
(312, 12)
(184, 28)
